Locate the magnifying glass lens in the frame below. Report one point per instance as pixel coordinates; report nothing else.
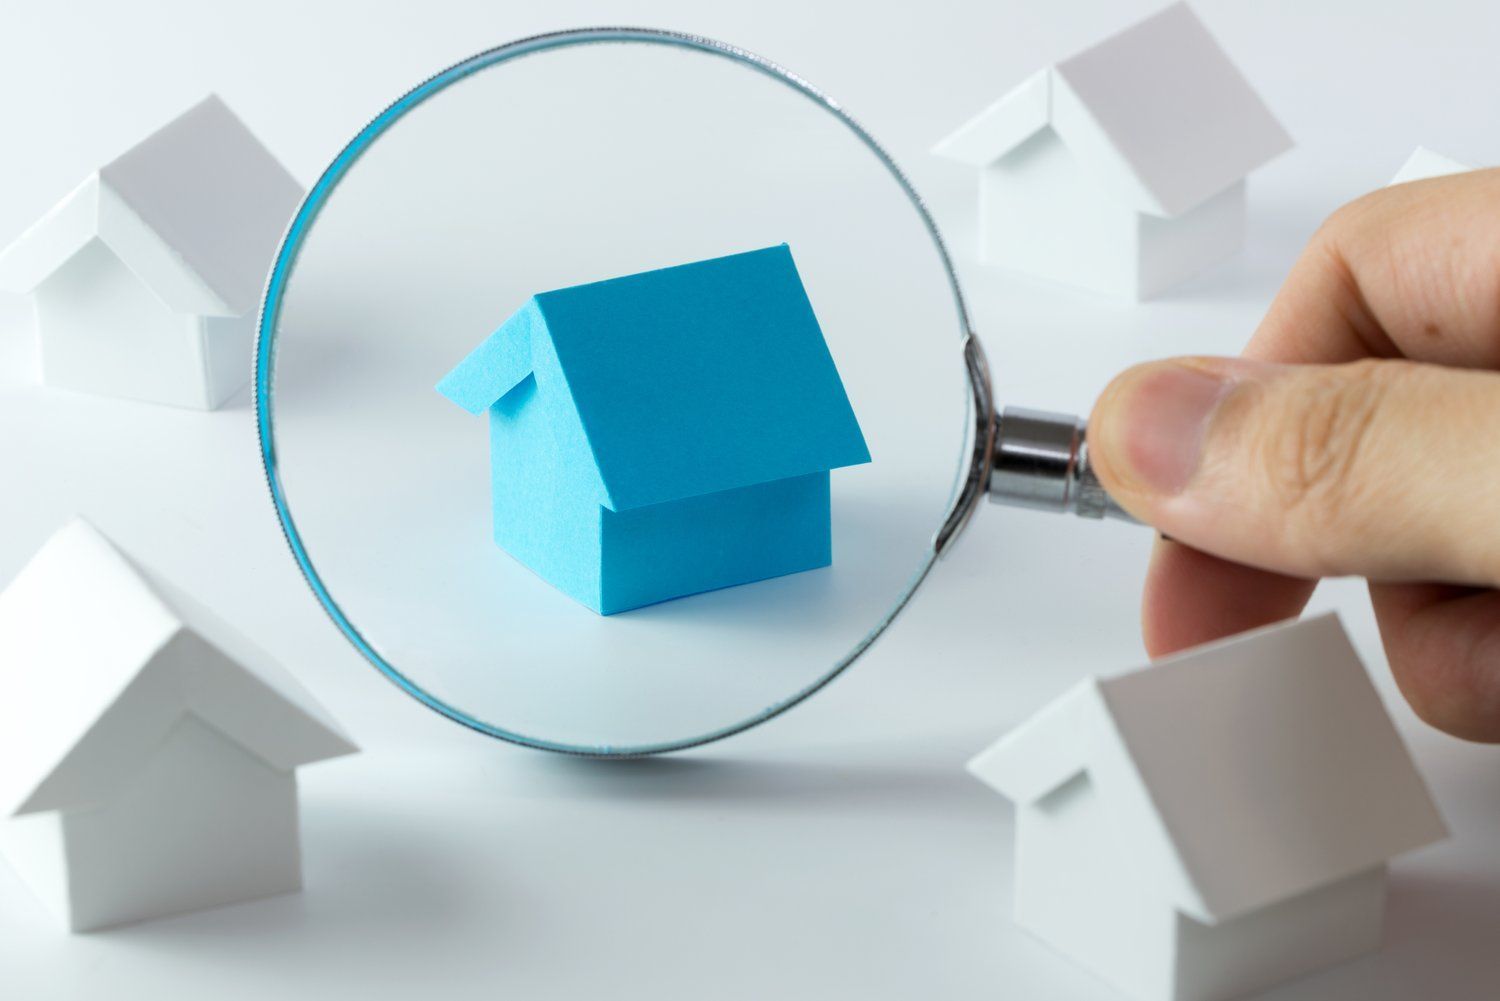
(447, 544)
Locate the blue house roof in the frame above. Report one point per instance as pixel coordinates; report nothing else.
(688, 380)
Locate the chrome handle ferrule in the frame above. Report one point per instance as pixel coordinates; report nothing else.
(1040, 460)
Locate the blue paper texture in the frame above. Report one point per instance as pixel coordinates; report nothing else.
(665, 433)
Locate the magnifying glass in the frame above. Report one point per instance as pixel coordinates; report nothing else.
(615, 392)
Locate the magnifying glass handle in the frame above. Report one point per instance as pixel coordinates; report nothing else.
(1041, 461)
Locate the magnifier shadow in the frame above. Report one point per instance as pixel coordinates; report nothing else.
(793, 784)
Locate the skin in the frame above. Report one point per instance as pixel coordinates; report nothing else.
(1359, 435)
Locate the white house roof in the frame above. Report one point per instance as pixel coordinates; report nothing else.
(1243, 772)
(1157, 113)
(1424, 163)
(99, 659)
(195, 210)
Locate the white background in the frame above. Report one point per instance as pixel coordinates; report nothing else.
(841, 850)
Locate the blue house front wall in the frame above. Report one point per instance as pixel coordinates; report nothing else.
(544, 489)
(664, 551)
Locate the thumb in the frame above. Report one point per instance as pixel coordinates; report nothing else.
(1384, 469)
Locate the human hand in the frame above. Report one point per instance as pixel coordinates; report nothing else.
(1358, 435)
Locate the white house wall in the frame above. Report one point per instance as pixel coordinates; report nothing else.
(1079, 889)
(1289, 939)
(1173, 250)
(203, 823)
(228, 345)
(1042, 214)
(33, 846)
(102, 331)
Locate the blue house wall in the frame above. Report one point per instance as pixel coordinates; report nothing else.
(717, 540)
(544, 491)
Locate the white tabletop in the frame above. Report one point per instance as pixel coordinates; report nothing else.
(841, 850)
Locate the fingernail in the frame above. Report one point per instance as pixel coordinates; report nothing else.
(1158, 421)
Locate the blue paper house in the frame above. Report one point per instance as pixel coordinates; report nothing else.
(664, 433)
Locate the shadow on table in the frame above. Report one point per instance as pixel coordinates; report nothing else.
(1441, 944)
(760, 783)
(372, 875)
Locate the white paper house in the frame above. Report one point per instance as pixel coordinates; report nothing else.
(1121, 169)
(146, 278)
(1424, 163)
(147, 750)
(1216, 823)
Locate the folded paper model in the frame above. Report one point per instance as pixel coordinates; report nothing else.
(1216, 823)
(1424, 163)
(1121, 169)
(147, 749)
(665, 433)
(145, 279)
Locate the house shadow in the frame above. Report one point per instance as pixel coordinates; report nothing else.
(242, 400)
(1253, 275)
(370, 875)
(1439, 945)
(1248, 279)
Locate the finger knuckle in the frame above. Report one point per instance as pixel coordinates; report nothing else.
(1315, 452)
(1351, 216)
